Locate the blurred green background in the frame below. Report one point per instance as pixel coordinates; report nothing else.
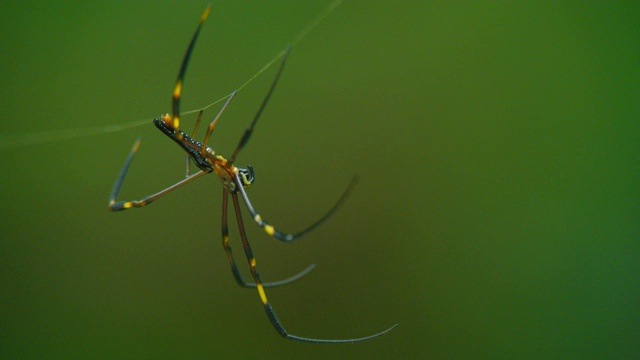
(497, 145)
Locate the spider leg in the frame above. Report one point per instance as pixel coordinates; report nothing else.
(249, 130)
(177, 91)
(232, 263)
(124, 205)
(271, 231)
(212, 125)
(263, 297)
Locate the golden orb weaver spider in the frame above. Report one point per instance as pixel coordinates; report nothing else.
(234, 181)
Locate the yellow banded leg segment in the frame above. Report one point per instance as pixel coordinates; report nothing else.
(247, 249)
(205, 15)
(269, 229)
(176, 97)
(177, 90)
(256, 278)
(263, 296)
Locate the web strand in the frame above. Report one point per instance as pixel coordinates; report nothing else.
(8, 141)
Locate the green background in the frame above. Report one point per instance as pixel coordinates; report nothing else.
(497, 145)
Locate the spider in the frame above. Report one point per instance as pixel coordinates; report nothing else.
(234, 181)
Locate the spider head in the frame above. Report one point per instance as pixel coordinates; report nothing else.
(247, 175)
